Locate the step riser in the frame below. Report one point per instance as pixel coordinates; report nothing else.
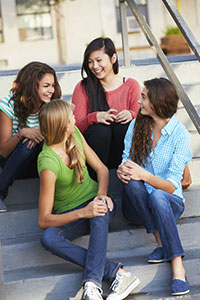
(157, 278)
(14, 224)
(188, 73)
(134, 242)
(27, 191)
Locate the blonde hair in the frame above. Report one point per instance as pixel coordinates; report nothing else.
(54, 118)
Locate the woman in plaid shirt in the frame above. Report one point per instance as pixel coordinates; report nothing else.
(157, 149)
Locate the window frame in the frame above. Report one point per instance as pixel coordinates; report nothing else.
(35, 17)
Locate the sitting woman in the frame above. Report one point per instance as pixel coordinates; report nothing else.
(20, 137)
(80, 205)
(105, 102)
(157, 148)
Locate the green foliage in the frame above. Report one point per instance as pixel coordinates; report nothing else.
(172, 30)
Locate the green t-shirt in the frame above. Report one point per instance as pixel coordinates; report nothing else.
(68, 193)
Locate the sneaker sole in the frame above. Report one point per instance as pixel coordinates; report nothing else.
(151, 261)
(3, 210)
(130, 288)
(180, 293)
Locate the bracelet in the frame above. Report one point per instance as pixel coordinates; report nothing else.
(18, 134)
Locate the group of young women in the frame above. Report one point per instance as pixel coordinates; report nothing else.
(75, 144)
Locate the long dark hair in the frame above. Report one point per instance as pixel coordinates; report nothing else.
(91, 85)
(164, 101)
(25, 90)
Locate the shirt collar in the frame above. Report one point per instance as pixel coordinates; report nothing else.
(169, 127)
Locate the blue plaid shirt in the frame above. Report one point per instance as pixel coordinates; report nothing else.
(170, 156)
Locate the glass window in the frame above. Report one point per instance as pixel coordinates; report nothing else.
(1, 26)
(132, 24)
(34, 19)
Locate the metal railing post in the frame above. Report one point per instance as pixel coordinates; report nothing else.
(125, 44)
(2, 286)
(165, 64)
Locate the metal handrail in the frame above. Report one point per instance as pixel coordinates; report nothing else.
(161, 56)
(180, 22)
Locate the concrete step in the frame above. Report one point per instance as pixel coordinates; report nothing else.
(184, 118)
(21, 219)
(32, 273)
(25, 252)
(187, 72)
(26, 191)
(62, 281)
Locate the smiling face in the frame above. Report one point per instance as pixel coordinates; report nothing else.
(145, 104)
(100, 64)
(46, 88)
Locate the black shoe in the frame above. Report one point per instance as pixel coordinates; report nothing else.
(3, 208)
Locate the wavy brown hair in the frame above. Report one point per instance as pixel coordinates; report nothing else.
(91, 84)
(25, 90)
(164, 102)
(54, 118)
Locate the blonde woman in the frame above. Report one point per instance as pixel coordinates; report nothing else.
(80, 204)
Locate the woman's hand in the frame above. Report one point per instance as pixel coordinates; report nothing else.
(136, 171)
(106, 117)
(124, 173)
(106, 200)
(130, 170)
(123, 117)
(96, 208)
(32, 134)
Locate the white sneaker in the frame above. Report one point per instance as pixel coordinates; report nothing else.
(123, 285)
(3, 208)
(92, 291)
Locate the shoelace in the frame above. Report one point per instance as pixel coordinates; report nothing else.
(92, 291)
(116, 283)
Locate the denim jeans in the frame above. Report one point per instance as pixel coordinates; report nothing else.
(21, 163)
(158, 211)
(96, 266)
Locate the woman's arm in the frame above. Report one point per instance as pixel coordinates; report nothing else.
(83, 117)
(130, 170)
(131, 98)
(46, 199)
(81, 109)
(7, 141)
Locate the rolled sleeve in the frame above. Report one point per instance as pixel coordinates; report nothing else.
(181, 157)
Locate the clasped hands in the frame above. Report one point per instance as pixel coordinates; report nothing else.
(130, 170)
(98, 207)
(111, 115)
(33, 135)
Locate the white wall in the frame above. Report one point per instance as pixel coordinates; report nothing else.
(80, 22)
(18, 53)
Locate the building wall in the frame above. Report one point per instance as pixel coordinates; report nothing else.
(80, 21)
(17, 53)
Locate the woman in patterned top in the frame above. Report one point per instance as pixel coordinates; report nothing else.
(20, 137)
(157, 148)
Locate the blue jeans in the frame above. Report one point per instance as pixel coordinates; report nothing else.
(22, 161)
(158, 211)
(96, 266)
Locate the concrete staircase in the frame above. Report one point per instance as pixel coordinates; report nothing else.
(32, 273)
